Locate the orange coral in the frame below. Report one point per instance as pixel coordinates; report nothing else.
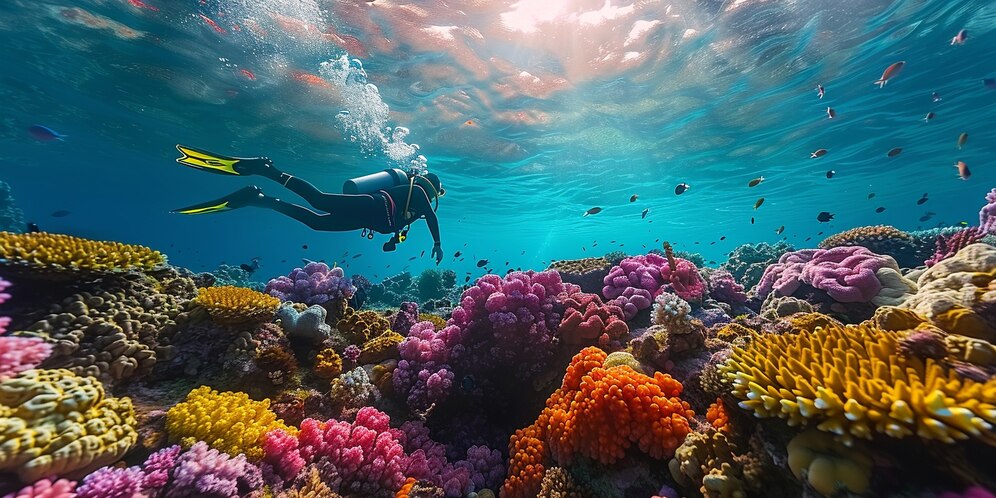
(406, 488)
(598, 413)
(328, 364)
(718, 417)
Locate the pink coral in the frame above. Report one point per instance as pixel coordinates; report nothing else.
(846, 273)
(652, 273)
(112, 482)
(587, 319)
(424, 375)
(4, 320)
(45, 488)
(723, 287)
(18, 354)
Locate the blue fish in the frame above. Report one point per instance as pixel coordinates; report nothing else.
(45, 133)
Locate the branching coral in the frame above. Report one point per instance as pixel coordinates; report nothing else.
(316, 283)
(558, 483)
(18, 354)
(352, 391)
(947, 245)
(55, 423)
(424, 375)
(718, 417)
(652, 273)
(228, 421)
(236, 305)
(328, 364)
(852, 382)
(597, 413)
(49, 252)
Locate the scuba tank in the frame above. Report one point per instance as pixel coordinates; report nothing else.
(381, 180)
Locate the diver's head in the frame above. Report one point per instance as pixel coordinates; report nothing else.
(432, 180)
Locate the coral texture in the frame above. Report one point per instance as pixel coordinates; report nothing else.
(308, 324)
(709, 460)
(724, 288)
(316, 283)
(424, 375)
(64, 253)
(328, 364)
(828, 465)
(46, 488)
(748, 262)
(18, 354)
(879, 239)
(236, 305)
(651, 273)
(587, 320)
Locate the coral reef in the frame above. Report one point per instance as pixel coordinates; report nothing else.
(879, 239)
(235, 276)
(328, 364)
(587, 273)
(674, 333)
(629, 409)
(827, 465)
(56, 423)
(748, 262)
(352, 391)
(587, 320)
(724, 288)
(802, 377)
(227, 421)
(358, 327)
(380, 348)
(708, 460)
(308, 325)
(18, 354)
(316, 283)
(11, 216)
(229, 305)
(43, 253)
(558, 483)
(406, 316)
(434, 284)
(653, 273)
(424, 375)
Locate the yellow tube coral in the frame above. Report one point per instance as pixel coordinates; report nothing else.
(850, 381)
(227, 421)
(231, 305)
(56, 423)
(50, 251)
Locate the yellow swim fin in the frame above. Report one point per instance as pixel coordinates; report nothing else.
(246, 196)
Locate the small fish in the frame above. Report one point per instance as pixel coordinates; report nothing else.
(880, 210)
(808, 239)
(926, 217)
(922, 200)
(583, 249)
(824, 217)
(594, 210)
(61, 213)
(960, 38)
(357, 255)
(928, 117)
(935, 97)
(780, 230)
(633, 198)
(989, 83)
(758, 203)
(466, 279)
(890, 72)
(894, 152)
(830, 174)
(644, 213)
(818, 153)
(304, 246)
(751, 220)
(247, 74)
(755, 182)
(250, 267)
(481, 263)
(45, 134)
(412, 258)
(457, 254)
(722, 238)
(32, 228)
(681, 188)
(963, 171)
(962, 139)
(871, 195)
(963, 223)
(423, 254)
(820, 91)
(831, 113)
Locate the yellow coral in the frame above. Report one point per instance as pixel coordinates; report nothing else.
(227, 421)
(850, 380)
(437, 321)
(328, 364)
(50, 251)
(381, 348)
(828, 465)
(708, 459)
(361, 326)
(235, 305)
(56, 423)
(730, 331)
(580, 266)
(955, 293)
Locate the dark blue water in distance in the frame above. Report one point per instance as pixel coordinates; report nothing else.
(531, 112)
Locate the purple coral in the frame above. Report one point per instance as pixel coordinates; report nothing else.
(4, 320)
(483, 467)
(203, 471)
(509, 322)
(45, 488)
(947, 246)
(406, 317)
(424, 375)
(316, 283)
(724, 288)
(112, 482)
(158, 467)
(18, 354)
(846, 273)
(652, 273)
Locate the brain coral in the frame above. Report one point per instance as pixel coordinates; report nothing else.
(362, 326)
(56, 423)
(852, 381)
(227, 421)
(236, 305)
(61, 253)
(598, 413)
(958, 294)
(879, 239)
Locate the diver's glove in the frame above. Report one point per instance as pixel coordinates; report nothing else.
(437, 252)
(390, 245)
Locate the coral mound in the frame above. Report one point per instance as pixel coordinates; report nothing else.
(851, 381)
(55, 423)
(236, 305)
(879, 239)
(597, 413)
(316, 283)
(41, 251)
(227, 421)
(588, 320)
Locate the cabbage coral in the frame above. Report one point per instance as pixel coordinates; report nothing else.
(236, 305)
(57, 252)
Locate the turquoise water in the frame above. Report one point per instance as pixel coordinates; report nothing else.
(531, 112)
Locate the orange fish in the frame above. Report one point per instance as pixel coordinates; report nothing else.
(963, 171)
(142, 5)
(890, 72)
(310, 79)
(469, 122)
(247, 74)
(210, 22)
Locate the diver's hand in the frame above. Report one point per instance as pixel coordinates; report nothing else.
(390, 246)
(437, 252)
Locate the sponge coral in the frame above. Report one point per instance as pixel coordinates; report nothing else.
(851, 381)
(236, 305)
(227, 421)
(828, 465)
(55, 423)
(598, 413)
(62, 253)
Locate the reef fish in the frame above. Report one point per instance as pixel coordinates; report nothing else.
(880, 210)
(758, 203)
(890, 72)
(960, 38)
(962, 139)
(32, 228)
(928, 117)
(818, 153)
(457, 254)
(830, 174)
(751, 220)
(45, 134)
(780, 230)
(633, 198)
(681, 188)
(824, 217)
(594, 210)
(922, 199)
(894, 152)
(935, 97)
(755, 182)
(963, 171)
(644, 213)
(871, 195)
(481, 263)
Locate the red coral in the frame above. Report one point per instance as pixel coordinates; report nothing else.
(588, 319)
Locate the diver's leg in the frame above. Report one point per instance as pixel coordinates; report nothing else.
(327, 222)
(318, 199)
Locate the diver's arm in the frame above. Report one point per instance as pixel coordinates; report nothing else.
(433, 223)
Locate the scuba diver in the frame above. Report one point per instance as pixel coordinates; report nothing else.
(386, 202)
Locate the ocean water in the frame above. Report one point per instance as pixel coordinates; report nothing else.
(530, 111)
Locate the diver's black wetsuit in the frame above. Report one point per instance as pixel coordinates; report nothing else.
(382, 211)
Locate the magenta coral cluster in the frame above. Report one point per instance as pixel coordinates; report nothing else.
(483, 467)
(588, 320)
(367, 454)
(947, 246)
(316, 283)
(509, 322)
(18, 354)
(4, 320)
(846, 273)
(724, 288)
(406, 316)
(636, 281)
(424, 375)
